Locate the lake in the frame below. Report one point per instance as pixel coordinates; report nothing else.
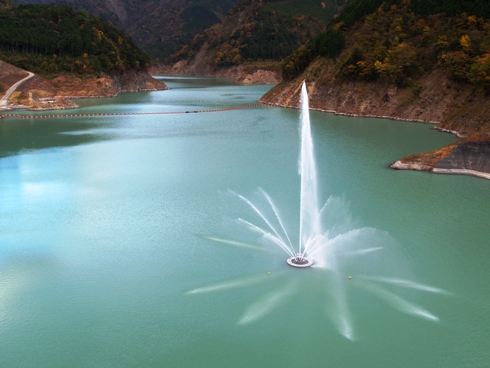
(107, 257)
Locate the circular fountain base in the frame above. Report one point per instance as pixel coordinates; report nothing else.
(299, 261)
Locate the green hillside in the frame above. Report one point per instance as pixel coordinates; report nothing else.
(323, 11)
(400, 41)
(175, 23)
(262, 30)
(160, 28)
(358, 9)
(53, 39)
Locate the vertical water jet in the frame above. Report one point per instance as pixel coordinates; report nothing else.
(309, 213)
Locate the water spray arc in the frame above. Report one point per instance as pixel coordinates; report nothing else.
(348, 259)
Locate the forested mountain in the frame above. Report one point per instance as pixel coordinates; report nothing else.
(421, 60)
(54, 39)
(158, 27)
(164, 30)
(399, 41)
(258, 31)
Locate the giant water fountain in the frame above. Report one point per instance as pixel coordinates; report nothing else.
(345, 255)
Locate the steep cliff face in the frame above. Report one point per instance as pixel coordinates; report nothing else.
(450, 106)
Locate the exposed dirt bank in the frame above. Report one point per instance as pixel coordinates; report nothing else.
(42, 94)
(436, 99)
(253, 74)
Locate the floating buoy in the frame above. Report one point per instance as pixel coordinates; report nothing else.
(350, 277)
(126, 114)
(268, 273)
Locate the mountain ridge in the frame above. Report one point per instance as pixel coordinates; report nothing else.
(253, 39)
(396, 64)
(159, 28)
(72, 53)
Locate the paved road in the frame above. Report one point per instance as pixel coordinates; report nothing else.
(5, 99)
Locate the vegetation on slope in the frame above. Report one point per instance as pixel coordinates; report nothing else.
(173, 24)
(400, 42)
(422, 60)
(53, 39)
(358, 9)
(322, 10)
(258, 30)
(160, 28)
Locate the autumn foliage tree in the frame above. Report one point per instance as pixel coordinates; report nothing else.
(329, 43)
(255, 31)
(399, 42)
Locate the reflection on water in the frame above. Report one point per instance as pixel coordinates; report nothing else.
(20, 135)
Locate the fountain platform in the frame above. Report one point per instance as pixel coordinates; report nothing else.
(299, 261)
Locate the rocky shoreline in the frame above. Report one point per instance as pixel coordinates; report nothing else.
(478, 174)
(440, 102)
(241, 74)
(40, 94)
(450, 107)
(398, 165)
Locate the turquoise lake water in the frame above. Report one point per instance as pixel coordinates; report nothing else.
(103, 262)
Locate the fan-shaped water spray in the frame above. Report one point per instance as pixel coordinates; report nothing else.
(329, 241)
